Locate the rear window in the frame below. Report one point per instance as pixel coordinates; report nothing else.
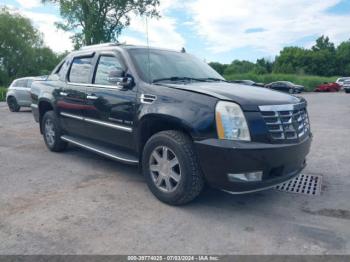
(80, 70)
(20, 83)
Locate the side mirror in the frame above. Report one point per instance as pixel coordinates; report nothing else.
(119, 78)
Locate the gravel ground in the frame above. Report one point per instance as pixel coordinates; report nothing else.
(79, 203)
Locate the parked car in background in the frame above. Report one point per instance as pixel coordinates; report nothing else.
(340, 81)
(248, 83)
(285, 86)
(328, 87)
(346, 86)
(18, 94)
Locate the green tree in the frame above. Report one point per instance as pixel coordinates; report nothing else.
(21, 49)
(99, 21)
(240, 67)
(291, 60)
(18, 38)
(343, 58)
(218, 67)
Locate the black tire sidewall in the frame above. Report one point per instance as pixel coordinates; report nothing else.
(186, 178)
(59, 144)
(12, 104)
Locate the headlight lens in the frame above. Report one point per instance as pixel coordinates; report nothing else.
(230, 122)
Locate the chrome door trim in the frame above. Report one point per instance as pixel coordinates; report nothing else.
(99, 151)
(91, 97)
(72, 116)
(94, 85)
(102, 123)
(97, 122)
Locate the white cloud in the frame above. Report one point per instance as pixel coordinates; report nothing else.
(161, 32)
(28, 4)
(57, 40)
(223, 23)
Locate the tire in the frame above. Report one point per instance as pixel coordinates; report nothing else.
(347, 91)
(52, 132)
(13, 104)
(188, 173)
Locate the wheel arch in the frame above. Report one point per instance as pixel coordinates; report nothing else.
(154, 123)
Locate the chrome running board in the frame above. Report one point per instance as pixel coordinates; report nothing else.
(106, 151)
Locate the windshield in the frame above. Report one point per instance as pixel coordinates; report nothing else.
(153, 64)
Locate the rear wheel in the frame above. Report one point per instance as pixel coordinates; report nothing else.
(171, 168)
(12, 104)
(52, 132)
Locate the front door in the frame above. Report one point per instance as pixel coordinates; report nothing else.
(72, 98)
(109, 115)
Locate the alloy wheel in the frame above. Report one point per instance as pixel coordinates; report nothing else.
(165, 169)
(49, 132)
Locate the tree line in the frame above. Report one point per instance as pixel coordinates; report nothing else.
(322, 59)
(22, 52)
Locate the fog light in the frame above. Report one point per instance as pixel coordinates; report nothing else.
(247, 177)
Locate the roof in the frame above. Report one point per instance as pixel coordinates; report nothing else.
(111, 46)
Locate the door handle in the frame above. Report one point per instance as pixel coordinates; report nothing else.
(91, 97)
(63, 94)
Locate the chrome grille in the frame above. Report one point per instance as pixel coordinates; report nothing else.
(286, 122)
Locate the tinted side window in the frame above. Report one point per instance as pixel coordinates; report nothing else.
(80, 70)
(21, 83)
(15, 83)
(63, 70)
(105, 68)
(29, 83)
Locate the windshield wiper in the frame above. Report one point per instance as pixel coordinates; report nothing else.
(177, 78)
(213, 79)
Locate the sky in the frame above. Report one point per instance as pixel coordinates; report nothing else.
(220, 30)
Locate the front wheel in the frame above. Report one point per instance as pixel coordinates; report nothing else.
(13, 104)
(171, 168)
(52, 132)
(347, 91)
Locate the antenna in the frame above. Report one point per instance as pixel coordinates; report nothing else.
(148, 53)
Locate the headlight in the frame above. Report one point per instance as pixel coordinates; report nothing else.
(230, 122)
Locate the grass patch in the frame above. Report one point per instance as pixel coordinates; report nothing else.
(3, 91)
(309, 82)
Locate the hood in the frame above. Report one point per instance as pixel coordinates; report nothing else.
(249, 97)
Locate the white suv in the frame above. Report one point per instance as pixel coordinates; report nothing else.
(340, 81)
(18, 94)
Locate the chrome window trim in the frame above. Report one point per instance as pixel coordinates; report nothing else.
(99, 151)
(286, 107)
(93, 121)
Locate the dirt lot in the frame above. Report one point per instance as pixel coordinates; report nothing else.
(79, 203)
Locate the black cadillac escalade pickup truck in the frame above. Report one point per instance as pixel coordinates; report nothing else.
(175, 117)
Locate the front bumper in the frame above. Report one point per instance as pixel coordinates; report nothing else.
(278, 162)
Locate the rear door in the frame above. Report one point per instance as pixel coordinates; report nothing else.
(22, 92)
(72, 98)
(110, 107)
